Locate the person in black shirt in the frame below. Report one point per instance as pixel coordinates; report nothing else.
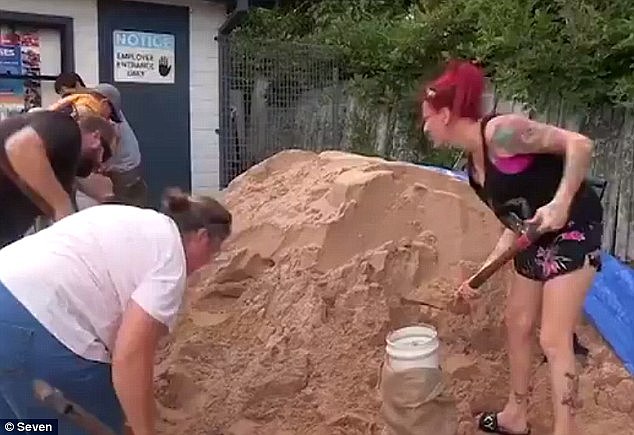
(537, 172)
(41, 153)
(66, 83)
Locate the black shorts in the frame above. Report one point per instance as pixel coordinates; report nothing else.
(561, 252)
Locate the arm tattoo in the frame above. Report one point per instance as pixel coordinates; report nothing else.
(519, 135)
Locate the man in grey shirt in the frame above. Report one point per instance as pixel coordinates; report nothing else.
(124, 168)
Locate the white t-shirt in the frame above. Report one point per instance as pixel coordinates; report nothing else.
(78, 275)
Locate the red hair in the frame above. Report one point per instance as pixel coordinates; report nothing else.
(460, 88)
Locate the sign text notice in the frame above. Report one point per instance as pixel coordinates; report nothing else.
(141, 57)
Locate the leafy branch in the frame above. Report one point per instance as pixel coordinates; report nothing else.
(581, 50)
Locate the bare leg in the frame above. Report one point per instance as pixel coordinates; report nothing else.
(522, 309)
(563, 301)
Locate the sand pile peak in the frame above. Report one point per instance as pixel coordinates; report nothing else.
(287, 332)
(344, 204)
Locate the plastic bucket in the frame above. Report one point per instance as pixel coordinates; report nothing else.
(413, 347)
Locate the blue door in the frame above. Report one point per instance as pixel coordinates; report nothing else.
(144, 52)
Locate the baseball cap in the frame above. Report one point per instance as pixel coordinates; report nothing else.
(111, 93)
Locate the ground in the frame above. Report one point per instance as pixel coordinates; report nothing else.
(285, 333)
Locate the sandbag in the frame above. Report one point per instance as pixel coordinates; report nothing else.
(414, 402)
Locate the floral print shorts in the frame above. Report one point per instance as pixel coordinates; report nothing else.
(561, 252)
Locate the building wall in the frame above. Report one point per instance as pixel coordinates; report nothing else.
(84, 14)
(205, 19)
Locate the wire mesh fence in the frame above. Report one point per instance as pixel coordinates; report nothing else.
(276, 96)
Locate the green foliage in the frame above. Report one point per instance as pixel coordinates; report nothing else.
(534, 50)
(582, 50)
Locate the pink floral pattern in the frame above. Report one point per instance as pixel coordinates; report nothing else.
(576, 236)
(549, 261)
(548, 258)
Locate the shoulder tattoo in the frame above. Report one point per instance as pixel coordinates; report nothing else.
(522, 135)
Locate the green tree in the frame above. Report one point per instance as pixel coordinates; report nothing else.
(582, 50)
(534, 50)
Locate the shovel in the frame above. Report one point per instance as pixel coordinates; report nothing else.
(54, 399)
(527, 235)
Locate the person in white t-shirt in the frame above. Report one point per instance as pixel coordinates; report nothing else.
(84, 303)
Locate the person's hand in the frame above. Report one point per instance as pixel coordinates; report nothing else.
(61, 214)
(465, 299)
(466, 292)
(551, 217)
(98, 187)
(110, 199)
(62, 211)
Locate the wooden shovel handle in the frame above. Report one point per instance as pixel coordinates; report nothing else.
(522, 242)
(54, 399)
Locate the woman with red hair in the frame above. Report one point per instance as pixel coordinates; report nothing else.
(536, 171)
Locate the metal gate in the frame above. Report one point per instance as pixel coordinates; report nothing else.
(276, 96)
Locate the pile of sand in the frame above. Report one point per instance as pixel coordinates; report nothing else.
(287, 332)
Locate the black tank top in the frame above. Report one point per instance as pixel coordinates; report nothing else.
(524, 192)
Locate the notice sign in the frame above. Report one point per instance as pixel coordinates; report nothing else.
(141, 57)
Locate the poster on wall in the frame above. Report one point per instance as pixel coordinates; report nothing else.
(141, 57)
(19, 56)
(10, 58)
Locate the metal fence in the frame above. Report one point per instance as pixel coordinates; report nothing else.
(276, 96)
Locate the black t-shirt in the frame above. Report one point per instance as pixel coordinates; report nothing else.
(62, 140)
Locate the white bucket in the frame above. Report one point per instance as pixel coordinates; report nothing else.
(413, 347)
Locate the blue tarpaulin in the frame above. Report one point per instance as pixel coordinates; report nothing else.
(610, 302)
(459, 175)
(610, 307)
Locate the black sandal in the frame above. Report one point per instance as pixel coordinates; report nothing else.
(488, 423)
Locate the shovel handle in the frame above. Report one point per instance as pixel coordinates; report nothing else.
(526, 239)
(55, 400)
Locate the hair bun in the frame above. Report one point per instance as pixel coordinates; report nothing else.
(175, 200)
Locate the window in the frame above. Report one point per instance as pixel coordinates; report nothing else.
(30, 60)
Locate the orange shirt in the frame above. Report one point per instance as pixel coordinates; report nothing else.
(83, 102)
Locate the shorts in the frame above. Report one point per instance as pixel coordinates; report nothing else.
(29, 352)
(561, 252)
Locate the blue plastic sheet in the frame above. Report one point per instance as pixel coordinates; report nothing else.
(610, 307)
(610, 302)
(459, 175)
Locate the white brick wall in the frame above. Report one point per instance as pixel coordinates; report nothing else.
(205, 19)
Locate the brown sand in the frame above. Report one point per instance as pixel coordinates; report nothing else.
(286, 333)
